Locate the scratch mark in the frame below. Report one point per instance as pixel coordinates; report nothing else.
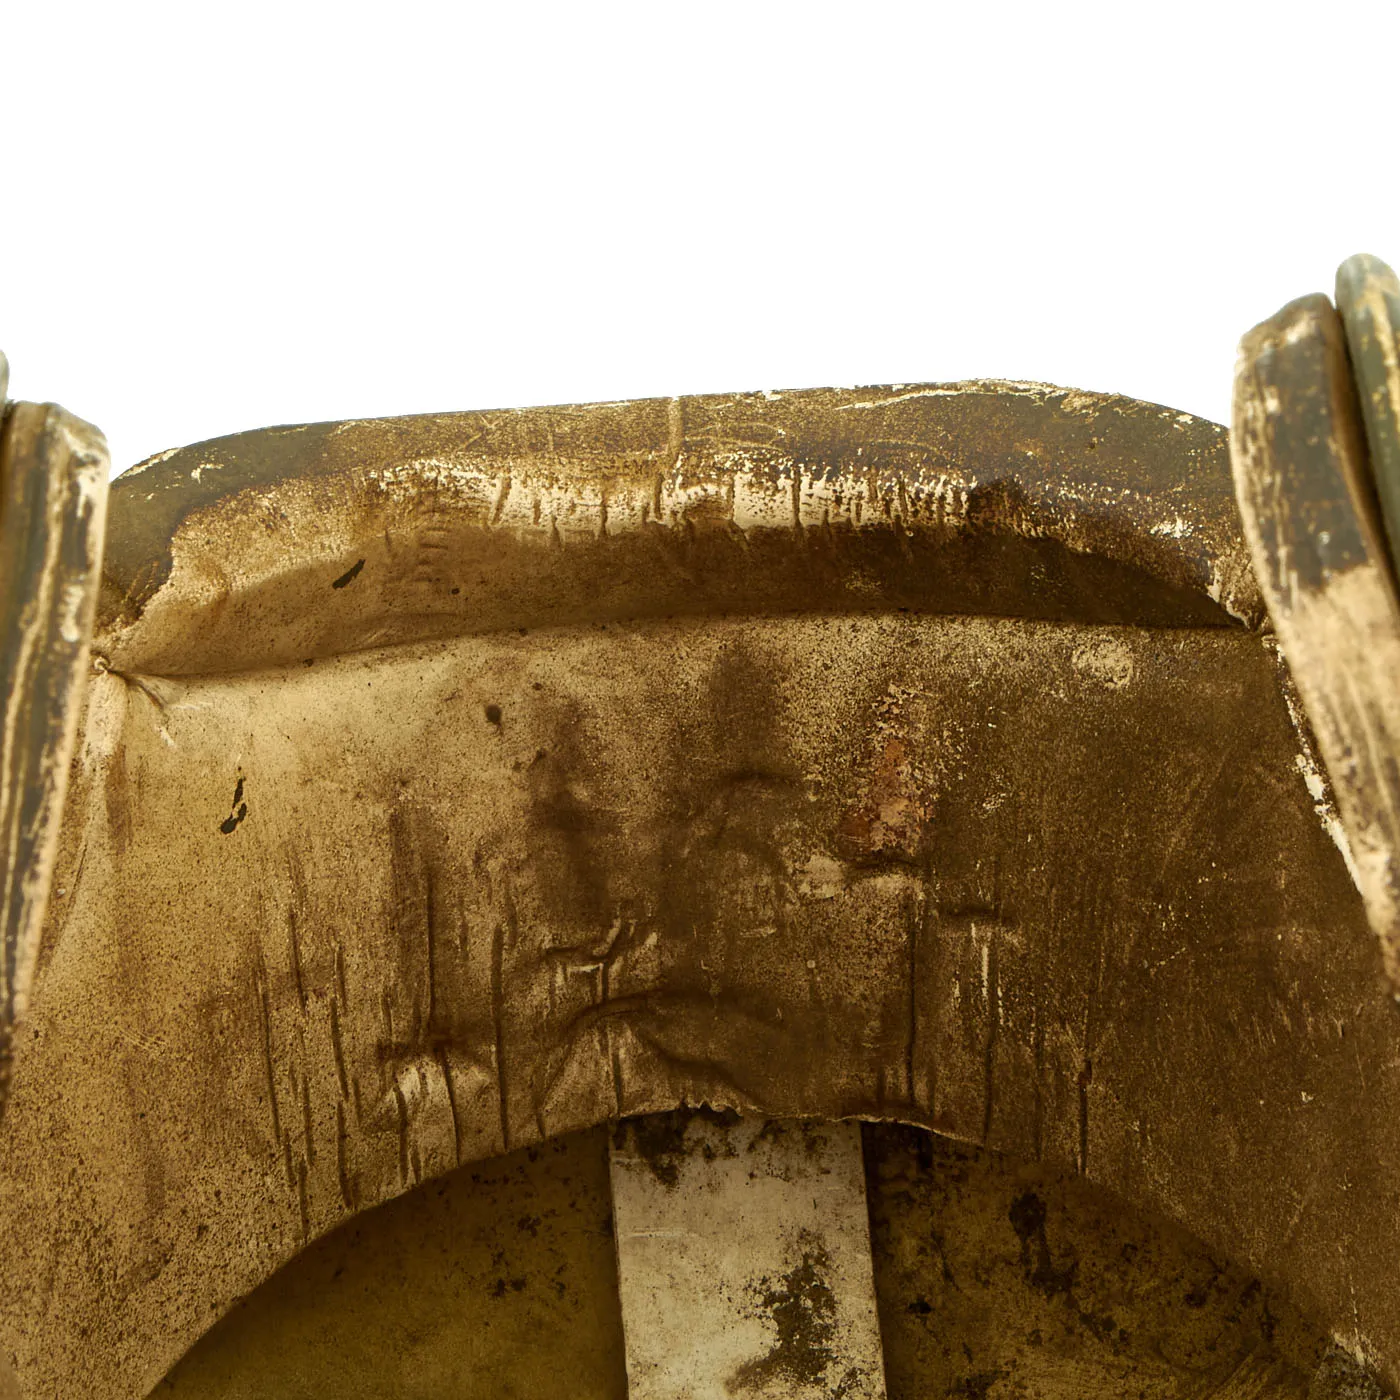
(338, 1049)
(1085, 1078)
(297, 883)
(675, 433)
(386, 1012)
(142, 686)
(945, 391)
(287, 1159)
(403, 1133)
(675, 446)
(265, 1011)
(302, 1201)
(615, 1061)
(911, 1039)
(605, 1024)
(992, 990)
(498, 1012)
(306, 1128)
(446, 1067)
(413, 843)
(502, 496)
(1038, 1056)
(342, 1168)
(430, 937)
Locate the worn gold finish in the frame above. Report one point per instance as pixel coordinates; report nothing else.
(447, 786)
(53, 491)
(992, 1275)
(1309, 508)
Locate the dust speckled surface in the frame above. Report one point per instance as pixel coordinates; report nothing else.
(449, 785)
(994, 1278)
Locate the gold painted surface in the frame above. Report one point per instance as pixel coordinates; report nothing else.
(1000, 1278)
(1050, 887)
(494, 1282)
(450, 784)
(995, 1279)
(53, 502)
(1309, 508)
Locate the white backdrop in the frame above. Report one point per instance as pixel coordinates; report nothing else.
(220, 216)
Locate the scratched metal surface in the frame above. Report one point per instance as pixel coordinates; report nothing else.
(416, 958)
(956, 788)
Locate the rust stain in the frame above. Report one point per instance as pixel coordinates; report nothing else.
(889, 822)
